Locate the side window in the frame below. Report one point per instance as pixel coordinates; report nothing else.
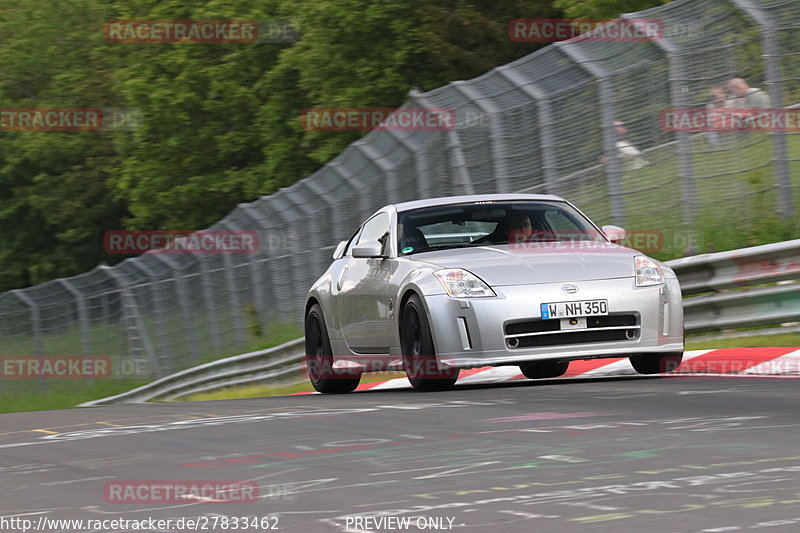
(351, 243)
(558, 221)
(376, 229)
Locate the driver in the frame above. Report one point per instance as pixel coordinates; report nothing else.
(515, 227)
(519, 227)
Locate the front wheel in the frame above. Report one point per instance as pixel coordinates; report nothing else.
(419, 358)
(544, 369)
(319, 357)
(656, 364)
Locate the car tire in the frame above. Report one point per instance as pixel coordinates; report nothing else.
(544, 369)
(319, 357)
(419, 356)
(656, 364)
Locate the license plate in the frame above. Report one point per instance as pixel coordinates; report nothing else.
(571, 309)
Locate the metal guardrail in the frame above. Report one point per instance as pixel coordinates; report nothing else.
(728, 277)
(732, 278)
(276, 363)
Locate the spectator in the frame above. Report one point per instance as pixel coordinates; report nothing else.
(745, 96)
(630, 156)
(718, 100)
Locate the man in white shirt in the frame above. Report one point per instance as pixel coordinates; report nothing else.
(630, 156)
(745, 96)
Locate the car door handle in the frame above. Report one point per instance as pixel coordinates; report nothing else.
(341, 278)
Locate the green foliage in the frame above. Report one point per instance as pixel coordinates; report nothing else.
(253, 322)
(219, 122)
(602, 9)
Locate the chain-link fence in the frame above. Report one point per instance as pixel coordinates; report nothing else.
(545, 123)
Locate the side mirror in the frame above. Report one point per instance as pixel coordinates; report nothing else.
(614, 233)
(339, 250)
(368, 250)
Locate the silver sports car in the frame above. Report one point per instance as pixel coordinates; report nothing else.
(435, 286)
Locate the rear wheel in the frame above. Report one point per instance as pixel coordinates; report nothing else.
(319, 357)
(544, 369)
(656, 364)
(419, 358)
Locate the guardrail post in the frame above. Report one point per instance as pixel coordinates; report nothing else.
(607, 113)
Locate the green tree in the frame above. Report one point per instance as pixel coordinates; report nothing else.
(55, 199)
(603, 9)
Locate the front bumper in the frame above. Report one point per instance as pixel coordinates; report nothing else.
(471, 332)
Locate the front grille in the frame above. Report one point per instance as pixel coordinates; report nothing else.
(541, 326)
(573, 337)
(539, 332)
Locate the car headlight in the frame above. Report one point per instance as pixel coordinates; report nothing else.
(460, 283)
(648, 272)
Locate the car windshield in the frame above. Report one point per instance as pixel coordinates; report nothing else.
(491, 223)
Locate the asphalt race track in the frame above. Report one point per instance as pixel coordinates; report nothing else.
(677, 454)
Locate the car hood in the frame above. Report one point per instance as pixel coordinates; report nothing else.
(517, 265)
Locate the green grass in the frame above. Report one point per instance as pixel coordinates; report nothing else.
(36, 395)
(786, 339)
(17, 395)
(735, 206)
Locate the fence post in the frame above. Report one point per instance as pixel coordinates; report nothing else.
(363, 210)
(160, 312)
(774, 85)
(233, 293)
(36, 326)
(372, 154)
(607, 114)
(546, 140)
(208, 296)
(496, 133)
(83, 315)
(458, 161)
(421, 165)
(314, 243)
(182, 291)
(678, 92)
(129, 305)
